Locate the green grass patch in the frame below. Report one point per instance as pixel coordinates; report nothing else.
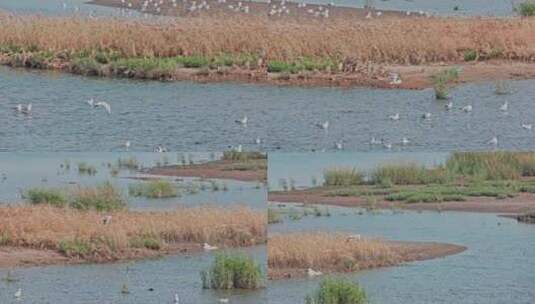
(103, 197)
(442, 82)
(147, 241)
(409, 174)
(337, 291)
(153, 189)
(232, 272)
(86, 169)
(342, 177)
(52, 197)
(74, 248)
(242, 156)
(274, 216)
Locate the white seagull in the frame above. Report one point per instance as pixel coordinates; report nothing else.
(405, 141)
(243, 121)
(18, 294)
(324, 125)
(394, 117)
(27, 110)
(527, 126)
(339, 145)
(103, 104)
(467, 108)
(177, 299)
(208, 247)
(449, 106)
(493, 141)
(426, 116)
(312, 273)
(505, 107)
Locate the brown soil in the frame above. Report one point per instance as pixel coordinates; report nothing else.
(407, 251)
(522, 203)
(214, 169)
(20, 256)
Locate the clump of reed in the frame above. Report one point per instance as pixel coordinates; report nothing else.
(130, 163)
(274, 216)
(102, 197)
(232, 272)
(108, 41)
(443, 80)
(492, 165)
(160, 188)
(324, 251)
(337, 291)
(83, 234)
(409, 174)
(342, 177)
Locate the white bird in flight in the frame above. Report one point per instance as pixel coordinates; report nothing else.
(98, 104)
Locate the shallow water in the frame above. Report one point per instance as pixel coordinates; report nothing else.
(99, 284)
(43, 170)
(61, 7)
(185, 116)
(496, 268)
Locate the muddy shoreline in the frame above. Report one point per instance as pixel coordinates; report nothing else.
(408, 252)
(415, 77)
(28, 257)
(522, 203)
(221, 169)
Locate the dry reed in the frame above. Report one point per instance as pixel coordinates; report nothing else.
(330, 252)
(392, 40)
(45, 227)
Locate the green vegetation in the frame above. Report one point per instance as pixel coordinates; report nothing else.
(103, 197)
(442, 82)
(342, 177)
(338, 291)
(130, 163)
(498, 175)
(232, 272)
(153, 189)
(304, 64)
(243, 156)
(526, 8)
(74, 248)
(52, 197)
(146, 241)
(470, 55)
(410, 174)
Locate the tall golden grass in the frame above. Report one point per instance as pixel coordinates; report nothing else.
(327, 251)
(45, 227)
(390, 40)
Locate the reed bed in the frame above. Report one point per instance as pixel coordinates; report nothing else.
(392, 40)
(326, 251)
(342, 177)
(83, 234)
(492, 165)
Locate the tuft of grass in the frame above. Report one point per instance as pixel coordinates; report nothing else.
(492, 165)
(342, 177)
(243, 156)
(470, 55)
(442, 82)
(103, 197)
(51, 197)
(130, 163)
(337, 291)
(74, 248)
(409, 174)
(145, 241)
(153, 189)
(232, 272)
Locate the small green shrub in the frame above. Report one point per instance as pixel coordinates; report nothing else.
(52, 197)
(526, 8)
(74, 248)
(470, 55)
(273, 216)
(338, 291)
(232, 272)
(442, 81)
(153, 189)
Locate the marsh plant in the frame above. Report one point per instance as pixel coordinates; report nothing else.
(274, 216)
(337, 291)
(442, 82)
(342, 177)
(130, 163)
(160, 188)
(103, 197)
(232, 272)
